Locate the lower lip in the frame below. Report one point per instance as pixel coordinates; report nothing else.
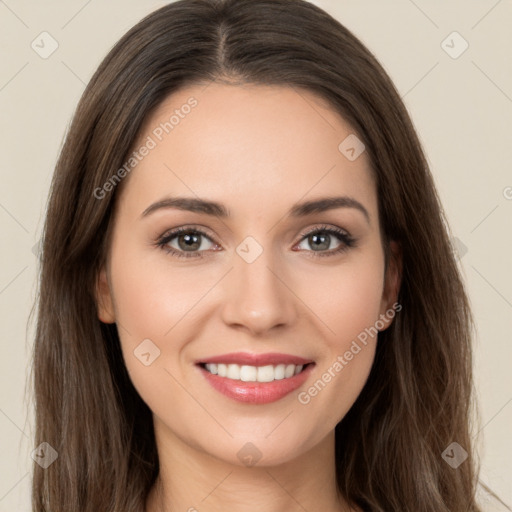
(257, 392)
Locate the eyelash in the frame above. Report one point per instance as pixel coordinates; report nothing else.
(347, 241)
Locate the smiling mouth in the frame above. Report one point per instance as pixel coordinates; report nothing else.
(247, 373)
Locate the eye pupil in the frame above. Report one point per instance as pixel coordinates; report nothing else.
(191, 241)
(322, 239)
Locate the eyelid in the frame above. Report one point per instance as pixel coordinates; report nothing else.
(203, 230)
(324, 227)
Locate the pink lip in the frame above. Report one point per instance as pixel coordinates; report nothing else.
(246, 358)
(256, 392)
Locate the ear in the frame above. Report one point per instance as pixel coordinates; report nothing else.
(104, 302)
(392, 282)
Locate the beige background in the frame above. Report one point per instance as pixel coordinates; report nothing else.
(461, 107)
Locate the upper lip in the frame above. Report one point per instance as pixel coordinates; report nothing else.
(248, 359)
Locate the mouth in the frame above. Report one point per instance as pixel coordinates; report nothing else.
(249, 373)
(256, 378)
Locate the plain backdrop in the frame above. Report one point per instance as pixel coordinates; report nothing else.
(460, 100)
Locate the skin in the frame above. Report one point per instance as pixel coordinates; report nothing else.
(258, 150)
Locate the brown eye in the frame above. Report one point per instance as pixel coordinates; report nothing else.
(189, 241)
(321, 240)
(185, 242)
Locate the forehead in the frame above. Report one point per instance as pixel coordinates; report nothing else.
(250, 146)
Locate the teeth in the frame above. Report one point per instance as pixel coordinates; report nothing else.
(247, 373)
(254, 373)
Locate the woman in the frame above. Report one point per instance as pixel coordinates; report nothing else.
(248, 297)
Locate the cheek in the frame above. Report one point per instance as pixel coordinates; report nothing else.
(153, 304)
(160, 301)
(348, 305)
(152, 294)
(346, 299)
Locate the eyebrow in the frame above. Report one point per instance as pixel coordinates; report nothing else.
(196, 205)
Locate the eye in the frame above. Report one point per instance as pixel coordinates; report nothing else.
(321, 238)
(188, 241)
(185, 242)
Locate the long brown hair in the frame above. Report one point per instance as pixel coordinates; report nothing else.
(418, 397)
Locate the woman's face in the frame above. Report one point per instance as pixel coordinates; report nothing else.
(257, 274)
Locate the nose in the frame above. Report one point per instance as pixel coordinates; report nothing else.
(258, 296)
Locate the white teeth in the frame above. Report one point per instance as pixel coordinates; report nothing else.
(233, 372)
(265, 374)
(254, 373)
(248, 373)
(279, 372)
(289, 371)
